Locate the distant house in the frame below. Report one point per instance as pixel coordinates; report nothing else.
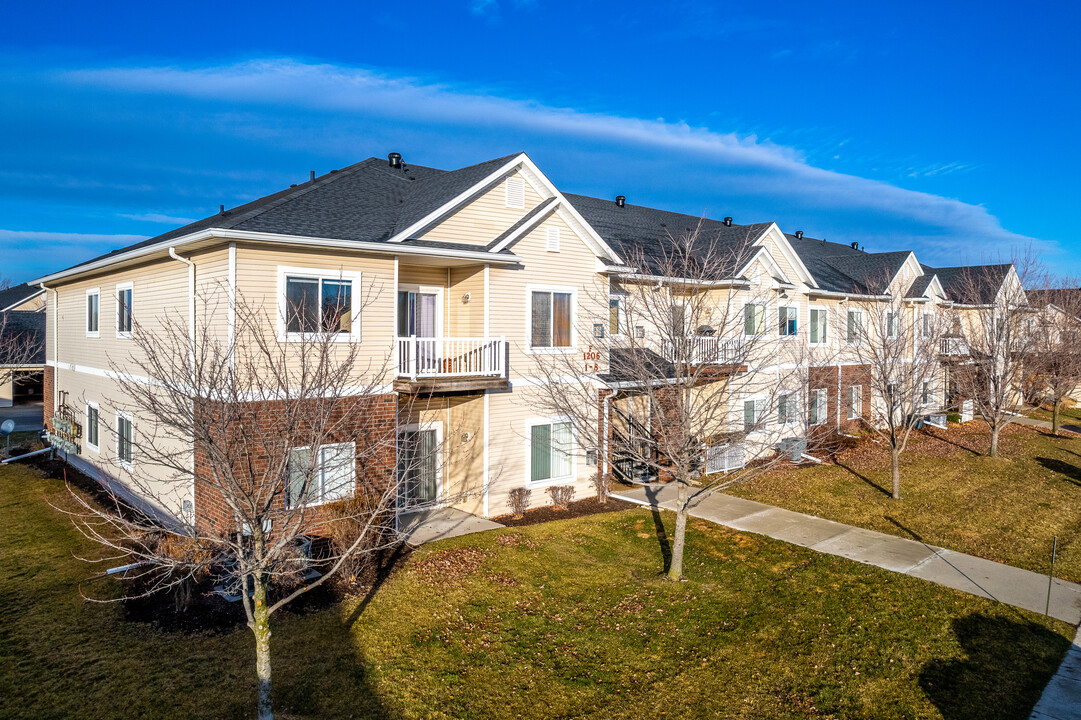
(22, 344)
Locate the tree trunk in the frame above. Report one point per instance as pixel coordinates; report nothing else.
(675, 568)
(994, 442)
(1055, 418)
(261, 628)
(895, 472)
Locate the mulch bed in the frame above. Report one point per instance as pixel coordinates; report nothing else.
(578, 508)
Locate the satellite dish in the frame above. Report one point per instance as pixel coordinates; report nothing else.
(7, 427)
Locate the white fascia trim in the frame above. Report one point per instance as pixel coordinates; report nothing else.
(527, 227)
(458, 200)
(28, 298)
(276, 238)
(915, 264)
(790, 254)
(733, 282)
(765, 254)
(846, 296)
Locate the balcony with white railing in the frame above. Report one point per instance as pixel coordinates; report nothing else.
(954, 347)
(451, 363)
(705, 350)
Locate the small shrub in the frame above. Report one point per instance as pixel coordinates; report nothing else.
(344, 521)
(602, 483)
(953, 417)
(561, 496)
(519, 501)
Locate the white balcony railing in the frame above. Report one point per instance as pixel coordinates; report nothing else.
(705, 350)
(954, 346)
(451, 357)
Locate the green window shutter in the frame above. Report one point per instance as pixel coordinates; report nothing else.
(748, 319)
(748, 415)
(541, 452)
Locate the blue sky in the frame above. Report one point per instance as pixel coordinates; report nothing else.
(947, 128)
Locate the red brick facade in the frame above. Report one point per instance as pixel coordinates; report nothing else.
(370, 423)
(836, 380)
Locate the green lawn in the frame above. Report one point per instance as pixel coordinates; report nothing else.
(1067, 416)
(1007, 509)
(566, 619)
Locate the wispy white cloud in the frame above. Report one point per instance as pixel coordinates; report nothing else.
(44, 252)
(761, 165)
(157, 218)
(483, 7)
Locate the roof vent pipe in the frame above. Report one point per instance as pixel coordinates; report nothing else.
(621, 200)
(312, 178)
(221, 209)
(728, 222)
(799, 234)
(855, 246)
(395, 160)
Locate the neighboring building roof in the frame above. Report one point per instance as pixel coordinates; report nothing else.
(1070, 297)
(973, 284)
(635, 230)
(920, 285)
(843, 268)
(26, 327)
(17, 295)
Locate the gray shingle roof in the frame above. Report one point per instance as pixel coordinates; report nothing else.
(635, 230)
(973, 284)
(842, 268)
(17, 295)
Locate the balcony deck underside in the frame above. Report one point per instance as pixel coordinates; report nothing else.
(455, 384)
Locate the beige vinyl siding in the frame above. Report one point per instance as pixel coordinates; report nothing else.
(466, 319)
(572, 267)
(32, 305)
(485, 218)
(461, 467)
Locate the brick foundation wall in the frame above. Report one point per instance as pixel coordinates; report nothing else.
(370, 424)
(837, 380)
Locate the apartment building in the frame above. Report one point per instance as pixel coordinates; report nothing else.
(22, 346)
(463, 281)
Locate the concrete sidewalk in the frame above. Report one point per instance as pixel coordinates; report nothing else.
(1044, 424)
(429, 525)
(1061, 699)
(1003, 583)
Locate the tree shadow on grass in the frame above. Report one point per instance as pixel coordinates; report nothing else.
(866, 479)
(1072, 472)
(1007, 663)
(662, 539)
(943, 437)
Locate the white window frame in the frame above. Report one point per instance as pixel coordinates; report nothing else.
(572, 453)
(96, 447)
(621, 314)
(859, 398)
(529, 290)
(824, 333)
(895, 326)
(760, 407)
(125, 334)
(822, 409)
(352, 446)
(94, 292)
(764, 317)
(925, 332)
(927, 393)
(439, 463)
(129, 463)
(320, 274)
(854, 342)
(784, 336)
(511, 196)
(791, 410)
(423, 290)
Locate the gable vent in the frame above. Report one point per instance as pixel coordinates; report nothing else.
(515, 189)
(553, 239)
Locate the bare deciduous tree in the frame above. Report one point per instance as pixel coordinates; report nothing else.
(1053, 370)
(275, 442)
(899, 341)
(995, 316)
(702, 382)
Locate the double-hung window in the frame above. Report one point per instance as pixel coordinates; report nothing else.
(124, 300)
(754, 319)
(550, 451)
(787, 410)
(324, 475)
(855, 401)
(927, 393)
(818, 407)
(927, 328)
(92, 437)
(893, 324)
(615, 316)
(753, 409)
(787, 321)
(125, 439)
(818, 327)
(854, 328)
(93, 312)
(551, 315)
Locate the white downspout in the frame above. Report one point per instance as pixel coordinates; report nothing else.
(191, 367)
(56, 340)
